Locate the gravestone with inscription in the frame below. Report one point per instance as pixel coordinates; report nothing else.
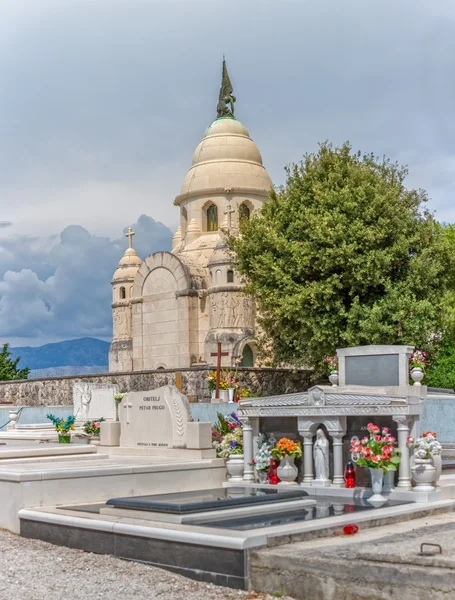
(154, 419)
(94, 401)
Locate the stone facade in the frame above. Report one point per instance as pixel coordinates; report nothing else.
(172, 309)
(58, 391)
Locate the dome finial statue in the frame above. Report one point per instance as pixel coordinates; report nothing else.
(226, 100)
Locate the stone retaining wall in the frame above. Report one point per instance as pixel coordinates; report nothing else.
(59, 390)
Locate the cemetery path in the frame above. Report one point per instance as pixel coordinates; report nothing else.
(35, 570)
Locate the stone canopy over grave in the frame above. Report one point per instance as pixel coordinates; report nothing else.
(154, 419)
(333, 406)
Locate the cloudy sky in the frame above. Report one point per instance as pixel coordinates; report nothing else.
(102, 103)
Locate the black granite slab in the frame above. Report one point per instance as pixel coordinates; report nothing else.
(221, 566)
(205, 500)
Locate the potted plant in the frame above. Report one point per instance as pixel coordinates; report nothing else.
(92, 428)
(286, 451)
(332, 365)
(63, 427)
(227, 436)
(417, 366)
(378, 453)
(262, 460)
(423, 470)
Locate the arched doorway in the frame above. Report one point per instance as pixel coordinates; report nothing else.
(247, 357)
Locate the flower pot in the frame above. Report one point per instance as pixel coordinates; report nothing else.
(224, 395)
(333, 378)
(231, 393)
(423, 473)
(234, 467)
(417, 375)
(377, 480)
(287, 471)
(64, 439)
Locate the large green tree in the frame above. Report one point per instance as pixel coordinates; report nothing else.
(9, 366)
(343, 255)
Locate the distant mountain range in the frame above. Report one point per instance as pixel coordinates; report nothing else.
(71, 357)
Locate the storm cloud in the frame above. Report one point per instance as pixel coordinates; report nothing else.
(59, 287)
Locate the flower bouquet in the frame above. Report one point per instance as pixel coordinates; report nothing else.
(331, 363)
(227, 435)
(262, 460)
(417, 360)
(427, 446)
(211, 381)
(92, 428)
(377, 450)
(286, 447)
(63, 427)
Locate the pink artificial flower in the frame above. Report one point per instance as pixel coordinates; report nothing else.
(376, 458)
(377, 438)
(385, 430)
(364, 440)
(409, 441)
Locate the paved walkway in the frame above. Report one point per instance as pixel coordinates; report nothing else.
(35, 570)
(383, 563)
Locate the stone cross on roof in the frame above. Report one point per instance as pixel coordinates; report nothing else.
(129, 235)
(228, 214)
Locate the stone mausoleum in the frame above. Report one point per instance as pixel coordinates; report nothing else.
(172, 309)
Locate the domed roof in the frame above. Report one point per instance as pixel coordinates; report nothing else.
(129, 263)
(226, 158)
(221, 254)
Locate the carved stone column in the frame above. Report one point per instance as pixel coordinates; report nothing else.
(248, 469)
(338, 471)
(307, 457)
(404, 470)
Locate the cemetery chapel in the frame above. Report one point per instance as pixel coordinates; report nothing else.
(173, 308)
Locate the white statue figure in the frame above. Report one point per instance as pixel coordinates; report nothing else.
(321, 458)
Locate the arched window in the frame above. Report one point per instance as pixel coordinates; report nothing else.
(230, 276)
(212, 218)
(122, 293)
(244, 212)
(247, 357)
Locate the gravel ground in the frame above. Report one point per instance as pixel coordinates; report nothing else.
(35, 570)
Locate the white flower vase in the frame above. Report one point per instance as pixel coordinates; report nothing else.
(287, 471)
(389, 481)
(224, 395)
(213, 395)
(333, 378)
(377, 480)
(231, 392)
(417, 375)
(234, 467)
(423, 473)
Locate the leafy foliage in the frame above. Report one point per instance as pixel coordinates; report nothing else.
(8, 366)
(62, 426)
(344, 255)
(441, 371)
